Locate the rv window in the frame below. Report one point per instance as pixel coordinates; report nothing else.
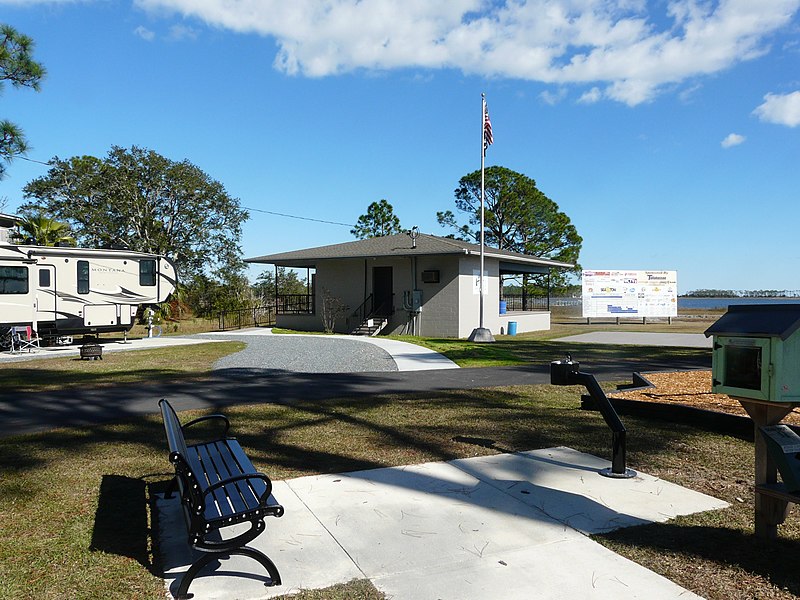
(44, 278)
(83, 276)
(147, 272)
(13, 280)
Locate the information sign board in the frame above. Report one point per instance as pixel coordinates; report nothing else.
(630, 294)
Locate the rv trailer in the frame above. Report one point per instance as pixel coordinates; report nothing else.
(71, 291)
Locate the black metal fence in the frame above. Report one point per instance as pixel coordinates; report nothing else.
(295, 304)
(517, 302)
(261, 316)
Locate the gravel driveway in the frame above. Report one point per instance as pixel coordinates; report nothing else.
(306, 354)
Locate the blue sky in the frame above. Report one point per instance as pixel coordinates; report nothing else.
(668, 131)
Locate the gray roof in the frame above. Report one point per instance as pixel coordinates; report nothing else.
(399, 245)
(773, 320)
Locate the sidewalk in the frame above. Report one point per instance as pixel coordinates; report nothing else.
(108, 346)
(511, 526)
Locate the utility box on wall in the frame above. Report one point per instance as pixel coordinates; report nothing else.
(756, 352)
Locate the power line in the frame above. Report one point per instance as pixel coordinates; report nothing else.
(270, 212)
(46, 164)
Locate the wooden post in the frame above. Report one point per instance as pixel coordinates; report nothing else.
(770, 511)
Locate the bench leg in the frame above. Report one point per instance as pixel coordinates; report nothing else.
(173, 485)
(257, 555)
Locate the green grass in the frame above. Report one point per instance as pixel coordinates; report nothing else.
(76, 514)
(130, 367)
(540, 347)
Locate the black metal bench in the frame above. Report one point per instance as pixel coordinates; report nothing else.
(219, 487)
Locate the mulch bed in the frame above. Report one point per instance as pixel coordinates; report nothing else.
(692, 389)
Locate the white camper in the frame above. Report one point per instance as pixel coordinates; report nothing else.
(71, 291)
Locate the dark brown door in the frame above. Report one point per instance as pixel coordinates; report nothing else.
(382, 290)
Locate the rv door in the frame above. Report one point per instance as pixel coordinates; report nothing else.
(45, 294)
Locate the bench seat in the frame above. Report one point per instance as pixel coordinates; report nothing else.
(222, 465)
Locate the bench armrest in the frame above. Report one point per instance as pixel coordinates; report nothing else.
(223, 418)
(275, 509)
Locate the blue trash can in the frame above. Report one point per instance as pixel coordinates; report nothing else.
(512, 328)
(502, 307)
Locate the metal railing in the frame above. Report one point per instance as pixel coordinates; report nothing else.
(517, 303)
(367, 309)
(359, 315)
(260, 316)
(295, 304)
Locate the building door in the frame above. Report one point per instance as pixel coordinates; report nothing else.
(382, 290)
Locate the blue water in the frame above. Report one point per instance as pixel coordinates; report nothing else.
(725, 302)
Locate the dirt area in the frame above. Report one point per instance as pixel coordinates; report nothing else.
(690, 388)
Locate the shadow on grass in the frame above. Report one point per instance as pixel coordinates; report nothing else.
(121, 519)
(23, 380)
(774, 560)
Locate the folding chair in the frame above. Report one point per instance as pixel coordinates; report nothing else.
(24, 338)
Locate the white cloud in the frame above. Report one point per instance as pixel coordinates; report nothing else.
(732, 139)
(592, 96)
(626, 48)
(780, 109)
(553, 98)
(182, 32)
(144, 33)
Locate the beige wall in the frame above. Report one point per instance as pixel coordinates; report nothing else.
(538, 320)
(439, 315)
(450, 308)
(469, 269)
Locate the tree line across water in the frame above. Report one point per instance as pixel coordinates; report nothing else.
(712, 293)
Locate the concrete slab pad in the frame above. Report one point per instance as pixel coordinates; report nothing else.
(637, 338)
(509, 526)
(569, 569)
(566, 485)
(403, 519)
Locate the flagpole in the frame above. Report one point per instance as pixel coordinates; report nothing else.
(483, 184)
(481, 333)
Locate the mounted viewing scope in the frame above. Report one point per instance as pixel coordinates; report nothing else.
(567, 372)
(564, 372)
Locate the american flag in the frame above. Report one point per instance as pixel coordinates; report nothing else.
(488, 140)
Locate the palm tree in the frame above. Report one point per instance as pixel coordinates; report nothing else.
(43, 231)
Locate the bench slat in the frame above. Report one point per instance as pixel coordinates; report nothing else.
(237, 461)
(224, 507)
(228, 468)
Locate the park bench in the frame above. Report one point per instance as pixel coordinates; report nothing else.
(218, 487)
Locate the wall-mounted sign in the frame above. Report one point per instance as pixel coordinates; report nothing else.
(476, 282)
(630, 294)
